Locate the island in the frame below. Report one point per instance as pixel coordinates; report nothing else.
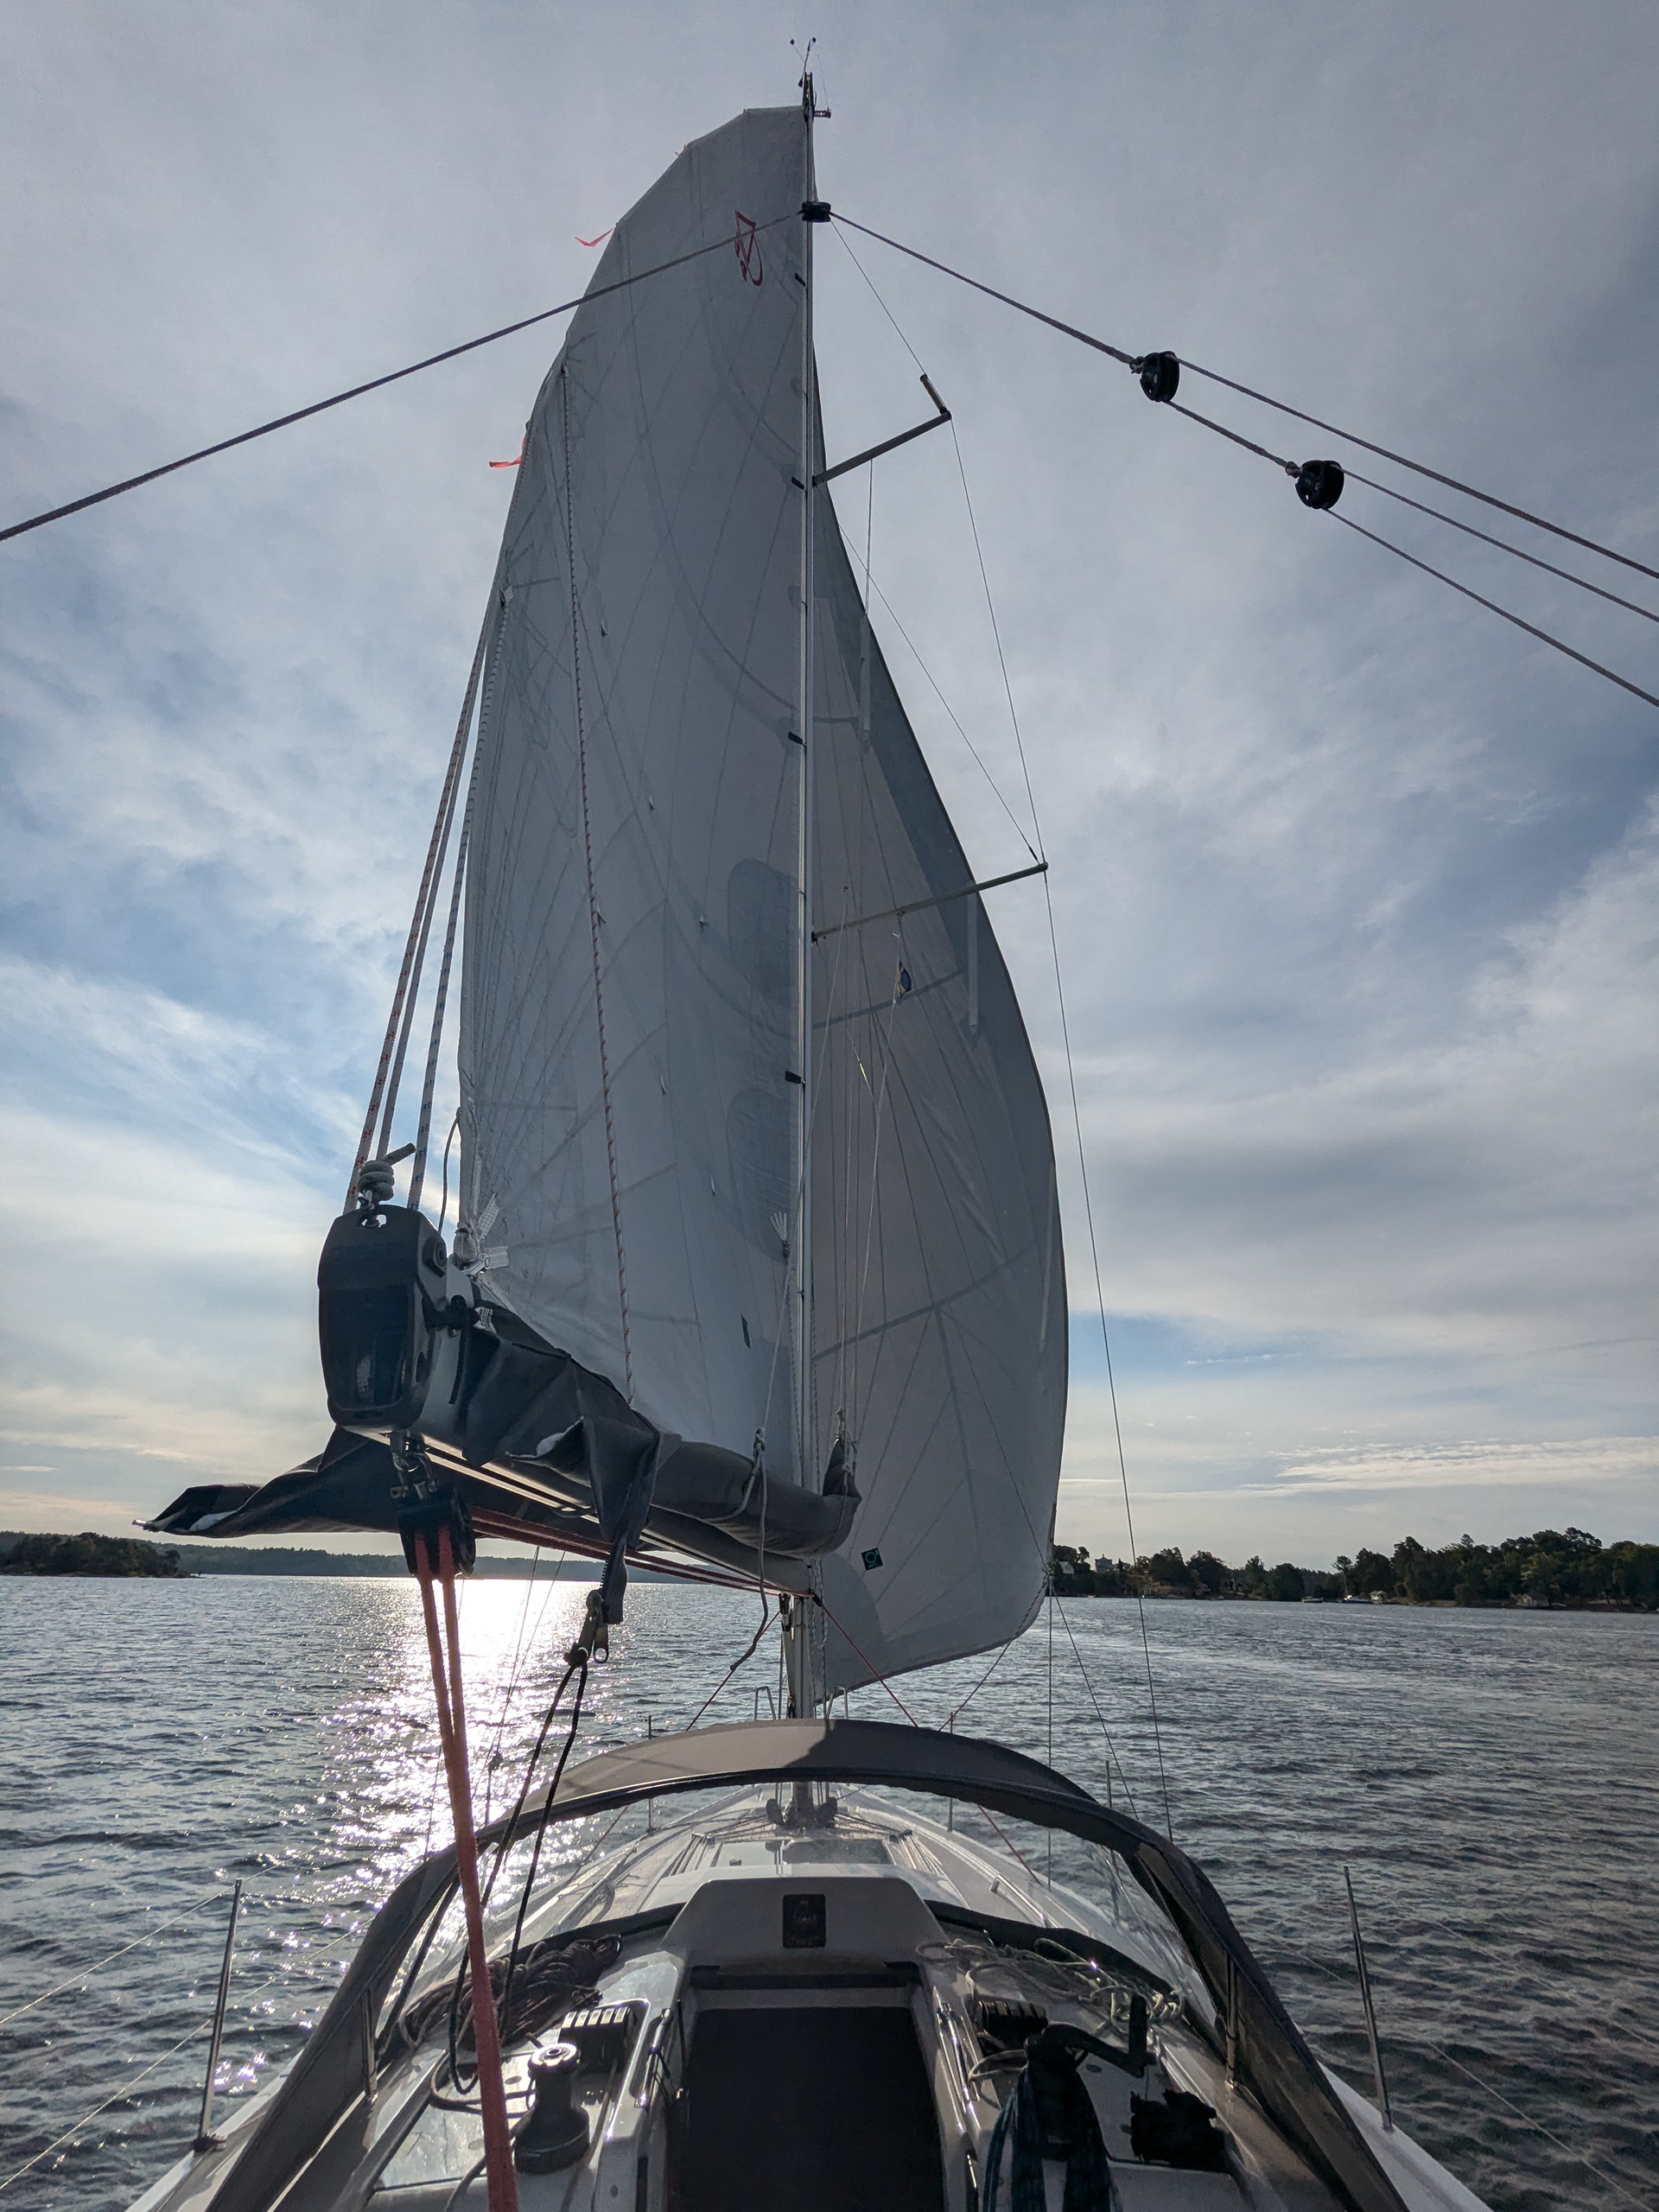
(86, 1553)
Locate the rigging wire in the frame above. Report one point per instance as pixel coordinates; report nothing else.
(1214, 376)
(1492, 605)
(1039, 1545)
(957, 1710)
(422, 898)
(1294, 469)
(208, 1896)
(377, 384)
(1469, 530)
(984, 1811)
(955, 720)
(1418, 468)
(869, 1666)
(1112, 1757)
(511, 1691)
(202, 2028)
(1531, 628)
(423, 1127)
(565, 1750)
(996, 634)
(1037, 853)
(452, 789)
(1422, 2043)
(417, 1172)
(847, 248)
(870, 584)
(509, 1836)
(749, 1652)
(1106, 1347)
(443, 1211)
(1083, 1164)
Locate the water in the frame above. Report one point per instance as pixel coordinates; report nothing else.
(1492, 1779)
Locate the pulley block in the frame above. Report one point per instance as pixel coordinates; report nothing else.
(1319, 483)
(1159, 375)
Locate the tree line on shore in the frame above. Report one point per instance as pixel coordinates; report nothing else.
(119, 1557)
(1552, 1567)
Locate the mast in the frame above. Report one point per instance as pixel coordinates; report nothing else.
(801, 1688)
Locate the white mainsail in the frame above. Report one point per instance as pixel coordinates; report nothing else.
(630, 1016)
(626, 1111)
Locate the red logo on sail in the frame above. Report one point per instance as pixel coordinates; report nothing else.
(748, 249)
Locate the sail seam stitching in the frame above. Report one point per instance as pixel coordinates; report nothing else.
(593, 902)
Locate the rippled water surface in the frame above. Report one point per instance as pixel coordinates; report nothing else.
(1492, 1779)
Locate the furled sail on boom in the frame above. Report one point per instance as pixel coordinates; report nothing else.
(624, 1366)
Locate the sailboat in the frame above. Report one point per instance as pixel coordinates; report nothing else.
(756, 1278)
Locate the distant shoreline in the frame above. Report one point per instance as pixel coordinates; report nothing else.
(1554, 1570)
(1549, 1571)
(88, 1556)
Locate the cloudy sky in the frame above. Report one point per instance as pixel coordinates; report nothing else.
(1355, 884)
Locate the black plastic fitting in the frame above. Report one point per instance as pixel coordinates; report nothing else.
(1319, 483)
(1159, 375)
(555, 2136)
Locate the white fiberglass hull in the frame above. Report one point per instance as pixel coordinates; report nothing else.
(816, 2006)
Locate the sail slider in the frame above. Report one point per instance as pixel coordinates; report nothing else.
(917, 906)
(874, 453)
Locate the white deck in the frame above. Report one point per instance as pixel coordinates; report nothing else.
(896, 1895)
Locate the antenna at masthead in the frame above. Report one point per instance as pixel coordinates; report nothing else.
(809, 109)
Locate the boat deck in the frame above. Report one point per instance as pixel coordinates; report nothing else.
(829, 2016)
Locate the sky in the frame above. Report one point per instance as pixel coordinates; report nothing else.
(1354, 884)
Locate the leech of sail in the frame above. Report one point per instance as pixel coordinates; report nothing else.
(919, 905)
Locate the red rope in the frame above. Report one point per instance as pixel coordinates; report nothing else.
(875, 1672)
(503, 2182)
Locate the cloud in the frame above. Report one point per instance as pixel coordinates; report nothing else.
(1588, 1460)
(1354, 886)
